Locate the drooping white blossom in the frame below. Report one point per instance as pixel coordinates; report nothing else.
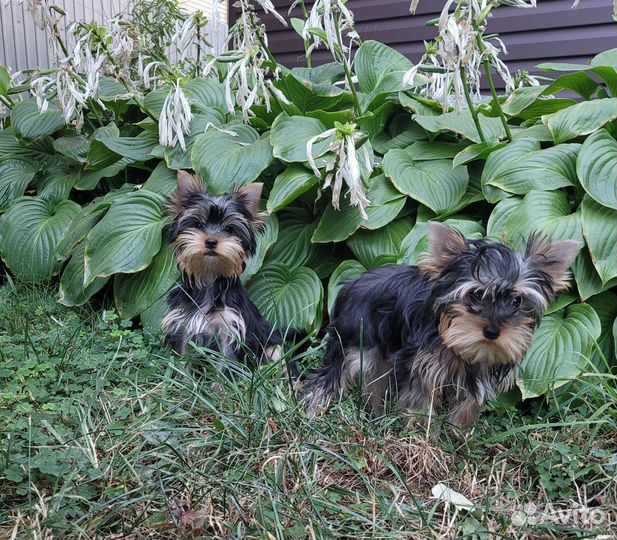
(175, 118)
(330, 17)
(344, 169)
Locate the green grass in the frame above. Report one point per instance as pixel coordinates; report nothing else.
(105, 434)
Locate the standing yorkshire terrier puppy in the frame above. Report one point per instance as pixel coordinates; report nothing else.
(448, 333)
(213, 236)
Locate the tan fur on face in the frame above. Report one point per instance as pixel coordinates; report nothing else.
(445, 245)
(192, 259)
(462, 332)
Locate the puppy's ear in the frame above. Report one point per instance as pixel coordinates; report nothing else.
(188, 183)
(249, 195)
(553, 259)
(444, 245)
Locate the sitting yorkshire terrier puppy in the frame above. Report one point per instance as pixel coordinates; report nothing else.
(213, 236)
(447, 334)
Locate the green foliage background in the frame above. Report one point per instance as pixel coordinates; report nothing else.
(88, 206)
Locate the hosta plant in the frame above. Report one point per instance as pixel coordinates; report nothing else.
(356, 156)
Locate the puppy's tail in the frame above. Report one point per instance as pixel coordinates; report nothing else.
(325, 382)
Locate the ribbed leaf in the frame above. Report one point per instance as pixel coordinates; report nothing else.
(264, 242)
(288, 298)
(581, 119)
(435, 184)
(380, 70)
(29, 123)
(605, 305)
(75, 147)
(107, 151)
(205, 92)
(290, 134)
(127, 238)
(29, 233)
(522, 167)
(560, 351)
(546, 212)
(597, 168)
(338, 225)
(346, 271)
(226, 162)
(600, 230)
(463, 124)
(496, 225)
(162, 180)
(15, 175)
(588, 281)
(293, 247)
(72, 291)
(134, 293)
(289, 185)
(307, 95)
(376, 248)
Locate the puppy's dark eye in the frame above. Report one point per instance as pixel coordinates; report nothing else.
(516, 302)
(476, 296)
(228, 229)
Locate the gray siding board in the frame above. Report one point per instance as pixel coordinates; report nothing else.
(553, 31)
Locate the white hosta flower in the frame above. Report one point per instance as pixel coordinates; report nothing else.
(175, 119)
(323, 18)
(40, 12)
(121, 45)
(345, 168)
(268, 7)
(183, 38)
(38, 88)
(71, 98)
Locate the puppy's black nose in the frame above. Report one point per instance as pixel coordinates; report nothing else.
(211, 243)
(491, 332)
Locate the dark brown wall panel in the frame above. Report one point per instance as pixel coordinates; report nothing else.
(551, 32)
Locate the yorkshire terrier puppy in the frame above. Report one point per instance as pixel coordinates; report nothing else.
(213, 236)
(447, 334)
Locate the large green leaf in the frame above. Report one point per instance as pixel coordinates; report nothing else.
(307, 95)
(581, 119)
(435, 184)
(264, 242)
(162, 180)
(57, 182)
(290, 134)
(134, 293)
(106, 151)
(380, 70)
(29, 232)
(498, 219)
(597, 168)
(74, 147)
(400, 132)
(289, 185)
(521, 167)
(462, 123)
(588, 281)
(382, 246)
(72, 290)
(15, 175)
(560, 351)
(338, 225)
(226, 161)
(293, 247)
(205, 92)
(127, 238)
(41, 150)
(29, 123)
(605, 305)
(288, 298)
(600, 230)
(346, 271)
(546, 212)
